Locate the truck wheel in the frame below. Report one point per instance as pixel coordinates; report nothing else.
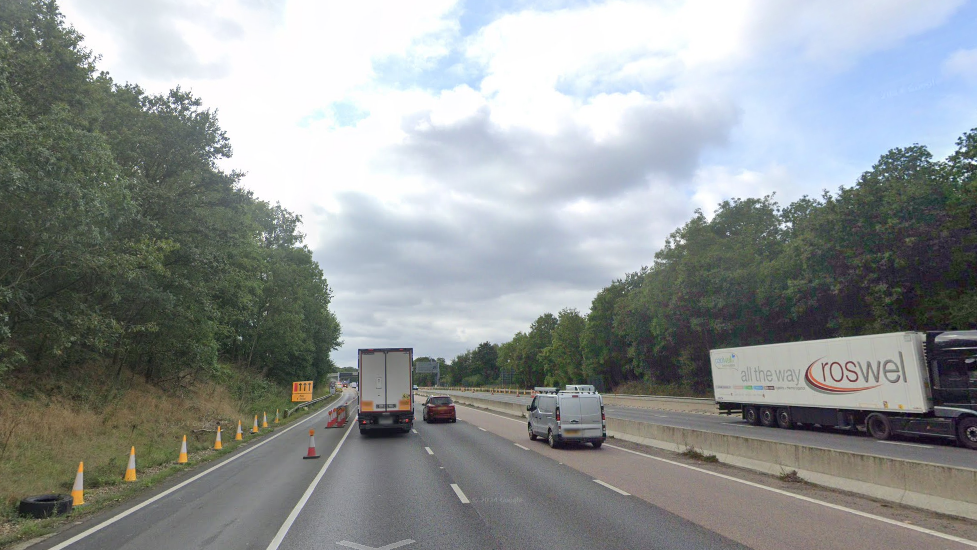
(532, 434)
(551, 439)
(767, 417)
(783, 418)
(967, 432)
(878, 426)
(751, 415)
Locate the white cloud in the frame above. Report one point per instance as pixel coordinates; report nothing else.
(714, 184)
(962, 63)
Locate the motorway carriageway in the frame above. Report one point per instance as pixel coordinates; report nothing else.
(477, 484)
(932, 450)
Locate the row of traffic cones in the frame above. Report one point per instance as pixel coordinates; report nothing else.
(78, 489)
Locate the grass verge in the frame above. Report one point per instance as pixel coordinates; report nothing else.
(50, 425)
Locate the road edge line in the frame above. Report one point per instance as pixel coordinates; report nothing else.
(283, 530)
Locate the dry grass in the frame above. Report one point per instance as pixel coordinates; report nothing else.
(49, 425)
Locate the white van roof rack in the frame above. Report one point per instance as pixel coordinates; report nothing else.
(584, 388)
(541, 389)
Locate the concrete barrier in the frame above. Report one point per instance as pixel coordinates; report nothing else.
(943, 489)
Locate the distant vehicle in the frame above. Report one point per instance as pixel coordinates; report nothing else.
(572, 415)
(912, 383)
(438, 407)
(352, 385)
(386, 400)
(415, 387)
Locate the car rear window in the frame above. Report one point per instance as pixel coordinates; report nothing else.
(440, 401)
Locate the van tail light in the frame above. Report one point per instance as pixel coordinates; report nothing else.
(558, 414)
(602, 417)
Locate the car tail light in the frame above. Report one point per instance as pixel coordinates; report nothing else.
(558, 414)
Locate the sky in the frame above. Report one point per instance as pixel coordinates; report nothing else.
(463, 167)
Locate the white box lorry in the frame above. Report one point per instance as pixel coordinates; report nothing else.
(386, 401)
(913, 383)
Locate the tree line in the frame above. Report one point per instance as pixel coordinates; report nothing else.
(896, 251)
(123, 243)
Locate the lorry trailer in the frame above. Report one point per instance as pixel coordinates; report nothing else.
(385, 397)
(909, 383)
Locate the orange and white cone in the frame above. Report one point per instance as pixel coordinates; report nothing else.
(254, 430)
(183, 452)
(217, 444)
(264, 420)
(332, 419)
(276, 417)
(311, 453)
(239, 435)
(78, 491)
(131, 470)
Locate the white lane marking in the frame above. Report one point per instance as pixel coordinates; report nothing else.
(808, 499)
(905, 444)
(413, 430)
(280, 536)
(390, 546)
(175, 488)
(785, 493)
(483, 429)
(429, 451)
(740, 425)
(521, 447)
(611, 487)
(660, 415)
(461, 495)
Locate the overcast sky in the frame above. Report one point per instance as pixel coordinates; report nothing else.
(464, 167)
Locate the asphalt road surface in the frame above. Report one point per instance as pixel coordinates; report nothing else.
(478, 483)
(932, 450)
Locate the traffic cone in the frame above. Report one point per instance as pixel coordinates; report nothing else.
(131, 470)
(239, 435)
(78, 491)
(217, 444)
(183, 452)
(264, 420)
(254, 430)
(332, 418)
(276, 417)
(311, 446)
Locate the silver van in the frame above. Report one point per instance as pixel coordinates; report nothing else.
(568, 416)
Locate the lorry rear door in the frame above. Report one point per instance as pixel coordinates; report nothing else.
(373, 393)
(399, 394)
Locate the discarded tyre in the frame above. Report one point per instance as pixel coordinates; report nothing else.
(43, 506)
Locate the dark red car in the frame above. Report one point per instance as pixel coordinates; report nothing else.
(438, 407)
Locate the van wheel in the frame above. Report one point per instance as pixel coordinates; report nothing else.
(551, 439)
(597, 444)
(767, 417)
(783, 418)
(967, 432)
(532, 434)
(879, 426)
(750, 415)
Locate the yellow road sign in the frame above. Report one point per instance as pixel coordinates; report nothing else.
(302, 391)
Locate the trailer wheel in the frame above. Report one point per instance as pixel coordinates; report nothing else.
(767, 417)
(750, 415)
(967, 432)
(879, 426)
(783, 418)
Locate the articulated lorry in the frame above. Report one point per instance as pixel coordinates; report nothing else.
(386, 399)
(912, 383)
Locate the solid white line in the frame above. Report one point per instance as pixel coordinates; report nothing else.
(429, 451)
(461, 495)
(175, 488)
(808, 499)
(521, 447)
(483, 429)
(905, 444)
(611, 487)
(280, 536)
